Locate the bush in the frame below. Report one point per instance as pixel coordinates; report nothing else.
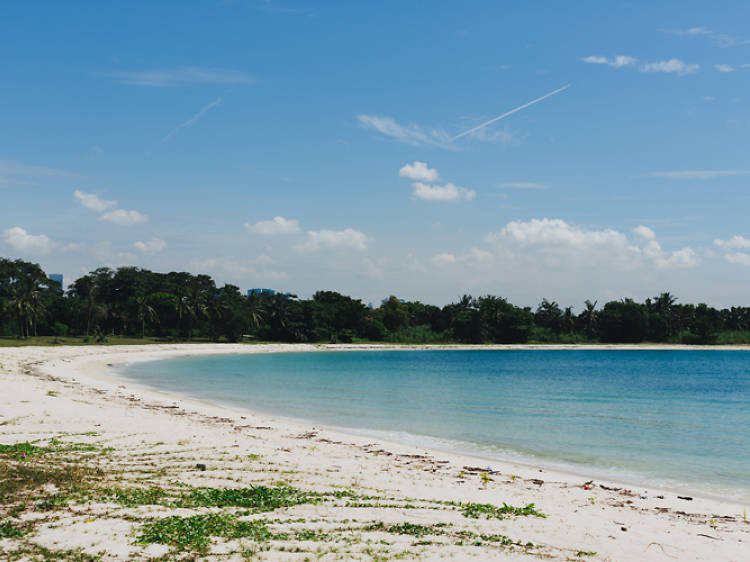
(59, 329)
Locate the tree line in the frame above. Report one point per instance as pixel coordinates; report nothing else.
(178, 306)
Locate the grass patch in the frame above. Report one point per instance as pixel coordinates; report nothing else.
(412, 529)
(195, 532)
(489, 511)
(19, 451)
(255, 498)
(9, 530)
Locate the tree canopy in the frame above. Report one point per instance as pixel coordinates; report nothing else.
(174, 306)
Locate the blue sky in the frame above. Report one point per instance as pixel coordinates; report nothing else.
(171, 136)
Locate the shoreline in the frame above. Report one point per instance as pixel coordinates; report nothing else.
(567, 471)
(93, 371)
(107, 372)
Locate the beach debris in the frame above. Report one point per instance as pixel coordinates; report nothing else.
(307, 435)
(536, 481)
(200, 466)
(660, 546)
(588, 485)
(710, 537)
(624, 529)
(686, 498)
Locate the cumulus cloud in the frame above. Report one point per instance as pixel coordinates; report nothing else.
(92, 202)
(426, 192)
(419, 171)
(277, 225)
(443, 259)
(740, 258)
(153, 246)
(474, 257)
(447, 192)
(735, 241)
(644, 232)
(25, 243)
(731, 247)
(236, 269)
(673, 66)
(124, 217)
(616, 62)
(348, 239)
(553, 242)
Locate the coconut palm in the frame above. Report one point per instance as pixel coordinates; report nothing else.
(145, 312)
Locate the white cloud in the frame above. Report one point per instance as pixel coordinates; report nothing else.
(555, 243)
(410, 134)
(21, 241)
(153, 246)
(740, 258)
(183, 76)
(193, 119)
(735, 241)
(699, 174)
(419, 171)
(475, 257)
(92, 202)
(674, 66)
(348, 239)
(724, 68)
(278, 225)
(523, 185)
(721, 39)
(237, 270)
(447, 192)
(443, 259)
(15, 169)
(478, 257)
(616, 62)
(124, 217)
(644, 232)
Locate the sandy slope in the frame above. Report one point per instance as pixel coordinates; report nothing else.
(157, 440)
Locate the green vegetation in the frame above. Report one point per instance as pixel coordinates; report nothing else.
(195, 532)
(489, 511)
(59, 478)
(132, 305)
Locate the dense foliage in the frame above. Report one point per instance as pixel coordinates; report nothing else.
(180, 306)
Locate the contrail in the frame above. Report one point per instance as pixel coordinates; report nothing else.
(192, 120)
(519, 108)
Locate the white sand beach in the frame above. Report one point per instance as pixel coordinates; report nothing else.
(375, 500)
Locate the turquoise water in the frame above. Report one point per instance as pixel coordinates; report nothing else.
(669, 418)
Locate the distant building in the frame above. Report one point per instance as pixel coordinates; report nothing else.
(56, 277)
(260, 292)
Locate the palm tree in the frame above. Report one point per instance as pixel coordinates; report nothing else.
(87, 290)
(589, 316)
(145, 311)
(664, 305)
(255, 311)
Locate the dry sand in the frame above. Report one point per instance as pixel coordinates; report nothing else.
(378, 500)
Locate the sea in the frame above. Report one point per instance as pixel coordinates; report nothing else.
(675, 419)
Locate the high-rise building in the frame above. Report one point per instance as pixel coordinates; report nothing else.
(57, 277)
